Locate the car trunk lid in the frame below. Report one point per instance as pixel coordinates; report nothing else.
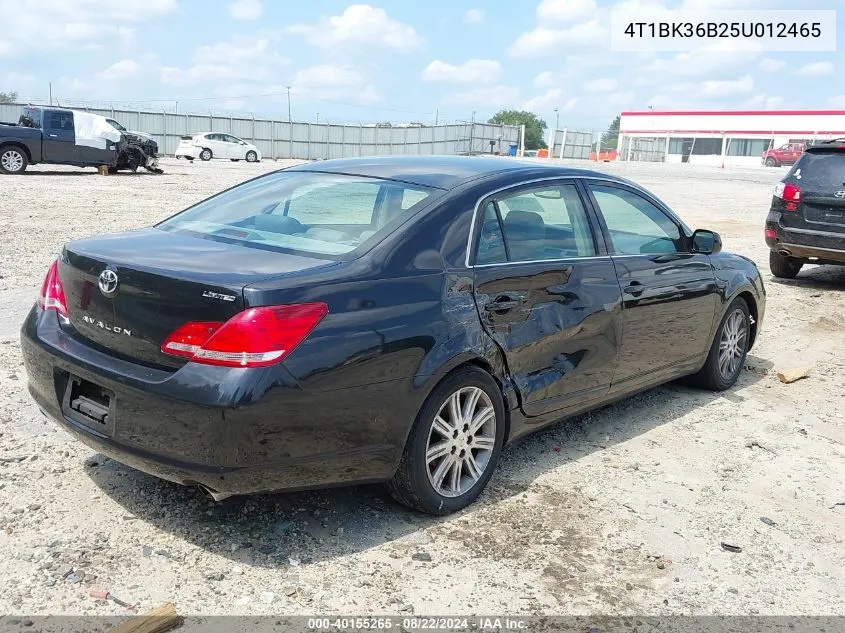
(820, 178)
(161, 280)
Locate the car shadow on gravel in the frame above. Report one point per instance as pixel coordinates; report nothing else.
(270, 530)
(815, 278)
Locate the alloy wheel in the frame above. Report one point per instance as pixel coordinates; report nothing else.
(461, 441)
(732, 344)
(12, 160)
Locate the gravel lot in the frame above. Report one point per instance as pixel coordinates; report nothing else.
(618, 512)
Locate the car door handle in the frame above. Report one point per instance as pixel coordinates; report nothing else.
(53, 135)
(635, 289)
(504, 302)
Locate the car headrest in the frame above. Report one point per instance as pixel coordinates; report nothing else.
(277, 223)
(524, 225)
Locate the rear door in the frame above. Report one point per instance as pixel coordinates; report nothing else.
(820, 177)
(547, 294)
(669, 294)
(215, 144)
(59, 137)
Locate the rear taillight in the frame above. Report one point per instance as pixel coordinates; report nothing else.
(771, 234)
(787, 192)
(52, 292)
(253, 338)
(790, 194)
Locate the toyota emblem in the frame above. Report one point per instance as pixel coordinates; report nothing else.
(839, 194)
(108, 282)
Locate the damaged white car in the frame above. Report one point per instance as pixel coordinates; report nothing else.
(217, 145)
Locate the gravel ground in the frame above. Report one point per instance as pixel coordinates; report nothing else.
(622, 511)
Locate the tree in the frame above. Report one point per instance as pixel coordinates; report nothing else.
(8, 97)
(534, 126)
(610, 139)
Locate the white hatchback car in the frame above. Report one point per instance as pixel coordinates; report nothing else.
(217, 145)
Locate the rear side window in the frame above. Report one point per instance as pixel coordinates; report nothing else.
(819, 171)
(311, 213)
(536, 224)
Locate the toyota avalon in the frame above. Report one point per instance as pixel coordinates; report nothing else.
(392, 320)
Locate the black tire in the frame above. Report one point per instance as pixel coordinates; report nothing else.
(412, 484)
(711, 375)
(13, 160)
(251, 157)
(771, 162)
(206, 154)
(784, 267)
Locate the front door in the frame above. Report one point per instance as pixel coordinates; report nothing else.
(547, 294)
(59, 141)
(234, 147)
(669, 293)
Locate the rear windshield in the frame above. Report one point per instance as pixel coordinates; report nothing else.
(310, 213)
(822, 171)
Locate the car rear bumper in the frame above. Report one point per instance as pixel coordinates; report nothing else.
(825, 246)
(183, 426)
(187, 152)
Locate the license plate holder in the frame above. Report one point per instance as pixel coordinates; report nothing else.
(90, 405)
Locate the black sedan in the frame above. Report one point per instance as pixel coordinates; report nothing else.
(388, 320)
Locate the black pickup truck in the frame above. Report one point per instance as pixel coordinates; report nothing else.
(67, 137)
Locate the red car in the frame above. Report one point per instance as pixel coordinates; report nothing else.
(784, 155)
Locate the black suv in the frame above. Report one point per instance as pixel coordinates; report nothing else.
(806, 223)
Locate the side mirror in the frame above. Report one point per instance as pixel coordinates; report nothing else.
(706, 242)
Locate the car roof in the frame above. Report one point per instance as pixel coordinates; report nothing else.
(443, 172)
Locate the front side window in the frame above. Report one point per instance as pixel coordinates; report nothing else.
(636, 226)
(537, 224)
(303, 212)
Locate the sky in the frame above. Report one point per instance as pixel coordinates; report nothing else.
(392, 60)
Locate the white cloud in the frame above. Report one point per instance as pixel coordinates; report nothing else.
(770, 65)
(474, 16)
(240, 58)
(246, 9)
(327, 75)
(602, 85)
(718, 88)
(816, 69)
(491, 97)
(120, 70)
(362, 25)
(566, 10)
(547, 101)
(480, 71)
(696, 63)
(544, 41)
(546, 79)
(837, 102)
(79, 25)
(709, 5)
(334, 81)
(639, 5)
(762, 102)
